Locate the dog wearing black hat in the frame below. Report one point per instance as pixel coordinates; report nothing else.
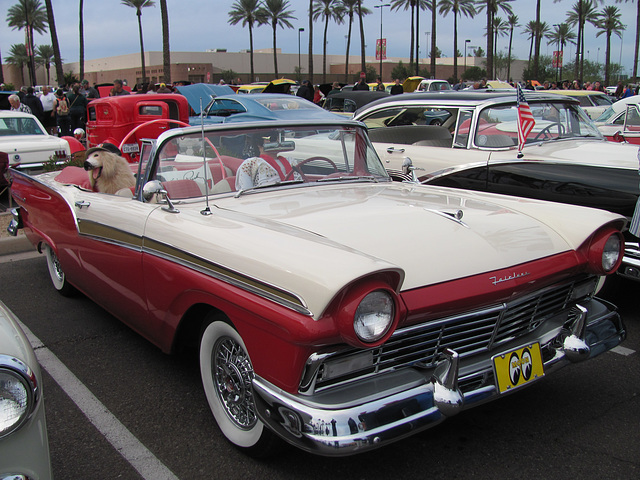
(108, 171)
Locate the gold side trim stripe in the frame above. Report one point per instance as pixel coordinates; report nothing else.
(127, 240)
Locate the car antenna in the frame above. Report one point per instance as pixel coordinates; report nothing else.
(207, 210)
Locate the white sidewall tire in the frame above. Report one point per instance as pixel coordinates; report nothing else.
(236, 435)
(55, 272)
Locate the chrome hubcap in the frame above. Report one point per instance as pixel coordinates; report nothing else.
(232, 375)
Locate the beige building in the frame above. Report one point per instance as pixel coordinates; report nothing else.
(207, 67)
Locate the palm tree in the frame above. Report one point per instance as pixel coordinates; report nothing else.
(361, 14)
(500, 29)
(275, 13)
(351, 9)
(54, 42)
(329, 10)
(166, 50)
(18, 58)
(512, 21)
(583, 11)
(407, 5)
(530, 29)
(81, 34)
(561, 35)
(311, 41)
(609, 23)
(31, 16)
(634, 73)
(492, 7)
(465, 7)
(434, 16)
(44, 57)
(245, 11)
(139, 5)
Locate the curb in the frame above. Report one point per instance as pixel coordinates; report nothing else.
(11, 245)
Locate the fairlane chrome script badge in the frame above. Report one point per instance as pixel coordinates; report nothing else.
(513, 276)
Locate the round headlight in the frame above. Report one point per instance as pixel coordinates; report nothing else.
(14, 401)
(374, 316)
(611, 253)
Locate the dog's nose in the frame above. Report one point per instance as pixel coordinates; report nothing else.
(87, 166)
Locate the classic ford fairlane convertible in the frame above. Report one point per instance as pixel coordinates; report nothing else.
(331, 307)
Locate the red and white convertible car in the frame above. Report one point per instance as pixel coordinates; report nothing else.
(330, 306)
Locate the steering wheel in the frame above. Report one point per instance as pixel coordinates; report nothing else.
(298, 167)
(546, 131)
(142, 125)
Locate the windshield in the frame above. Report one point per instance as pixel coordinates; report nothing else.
(606, 115)
(20, 126)
(244, 159)
(497, 125)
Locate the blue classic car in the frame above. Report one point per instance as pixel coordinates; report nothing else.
(260, 107)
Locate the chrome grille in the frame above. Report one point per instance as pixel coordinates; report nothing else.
(467, 333)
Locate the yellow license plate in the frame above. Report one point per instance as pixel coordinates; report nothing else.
(518, 367)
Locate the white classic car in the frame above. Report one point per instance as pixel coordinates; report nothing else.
(25, 143)
(24, 446)
(330, 306)
(565, 158)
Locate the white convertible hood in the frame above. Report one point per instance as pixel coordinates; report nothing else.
(314, 240)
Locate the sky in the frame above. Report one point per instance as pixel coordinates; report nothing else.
(111, 28)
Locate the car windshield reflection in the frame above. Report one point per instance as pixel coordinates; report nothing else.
(223, 160)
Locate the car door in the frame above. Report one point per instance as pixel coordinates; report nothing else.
(631, 130)
(110, 245)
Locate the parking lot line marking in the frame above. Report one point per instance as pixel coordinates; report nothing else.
(623, 351)
(125, 443)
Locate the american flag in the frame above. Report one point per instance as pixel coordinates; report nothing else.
(525, 118)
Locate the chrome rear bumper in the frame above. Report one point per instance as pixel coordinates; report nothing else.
(630, 267)
(333, 428)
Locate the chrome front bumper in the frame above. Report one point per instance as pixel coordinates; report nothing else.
(332, 428)
(630, 267)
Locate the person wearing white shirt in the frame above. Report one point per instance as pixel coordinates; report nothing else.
(48, 100)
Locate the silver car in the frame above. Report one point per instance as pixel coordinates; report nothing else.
(23, 429)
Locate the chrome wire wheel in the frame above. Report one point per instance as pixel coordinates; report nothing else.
(232, 372)
(226, 372)
(56, 273)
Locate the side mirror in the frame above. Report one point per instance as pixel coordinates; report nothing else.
(153, 188)
(618, 137)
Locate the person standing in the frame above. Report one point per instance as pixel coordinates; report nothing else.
(118, 89)
(361, 85)
(306, 90)
(61, 107)
(88, 91)
(397, 88)
(48, 100)
(77, 107)
(34, 104)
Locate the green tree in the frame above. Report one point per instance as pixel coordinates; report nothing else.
(500, 29)
(609, 23)
(57, 58)
(245, 12)
(276, 14)
(474, 73)
(18, 58)
(166, 49)
(30, 16)
(44, 57)
(328, 10)
(138, 5)
(457, 7)
(228, 75)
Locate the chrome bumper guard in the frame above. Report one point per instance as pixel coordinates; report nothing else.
(336, 430)
(630, 267)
